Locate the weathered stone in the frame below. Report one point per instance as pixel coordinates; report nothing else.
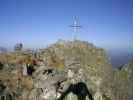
(61, 65)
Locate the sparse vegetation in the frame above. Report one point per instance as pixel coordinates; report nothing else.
(67, 61)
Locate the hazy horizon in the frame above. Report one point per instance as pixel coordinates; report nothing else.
(37, 23)
(116, 56)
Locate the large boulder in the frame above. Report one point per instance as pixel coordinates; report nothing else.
(123, 80)
(77, 61)
(65, 69)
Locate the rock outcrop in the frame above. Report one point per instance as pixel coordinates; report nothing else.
(66, 69)
(123, 79)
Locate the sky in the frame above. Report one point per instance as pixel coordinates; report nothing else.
(38, 23)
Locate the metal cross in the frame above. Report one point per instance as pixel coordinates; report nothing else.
(75, 26)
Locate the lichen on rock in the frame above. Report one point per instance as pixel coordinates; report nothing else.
(60, 68)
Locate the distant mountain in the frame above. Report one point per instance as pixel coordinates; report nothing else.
(3, 49)
(119, 58)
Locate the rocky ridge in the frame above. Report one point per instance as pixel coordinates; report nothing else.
(59, 66)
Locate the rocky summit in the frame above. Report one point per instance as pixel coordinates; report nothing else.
(66, 70)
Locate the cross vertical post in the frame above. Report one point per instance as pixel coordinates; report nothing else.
(75, 26)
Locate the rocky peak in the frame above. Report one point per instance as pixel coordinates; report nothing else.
(64, 70)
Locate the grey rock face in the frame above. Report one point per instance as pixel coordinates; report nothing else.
(60, 68)
(123, 82)
(72, 62)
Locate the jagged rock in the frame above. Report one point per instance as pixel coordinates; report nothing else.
(18, 47)
(81, 61)
(123, 82)
(98, 96)
(65, 64)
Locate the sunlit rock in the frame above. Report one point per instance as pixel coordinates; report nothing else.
(61, 67)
